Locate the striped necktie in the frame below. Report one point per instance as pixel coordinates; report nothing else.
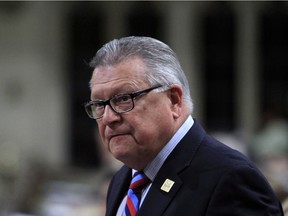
(139, 181)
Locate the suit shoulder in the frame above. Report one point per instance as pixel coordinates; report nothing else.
(214, 153)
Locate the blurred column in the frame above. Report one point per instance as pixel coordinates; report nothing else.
(247, 77)
(183, 34)
(116, 19)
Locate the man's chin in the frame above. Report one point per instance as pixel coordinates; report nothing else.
(119, 151)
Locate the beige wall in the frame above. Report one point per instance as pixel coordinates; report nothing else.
(32, 84)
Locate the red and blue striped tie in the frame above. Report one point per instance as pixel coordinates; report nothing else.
(139, 181)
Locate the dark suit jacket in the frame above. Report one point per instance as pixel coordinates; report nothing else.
(210, 179)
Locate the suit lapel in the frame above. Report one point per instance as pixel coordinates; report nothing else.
(157, 199)
(118, 190)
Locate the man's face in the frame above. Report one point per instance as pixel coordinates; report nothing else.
(135, 137)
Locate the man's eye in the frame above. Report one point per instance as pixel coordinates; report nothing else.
(125, 98)
(98, 104)
(122, 99)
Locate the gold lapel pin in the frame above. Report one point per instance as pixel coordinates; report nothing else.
(167, 185)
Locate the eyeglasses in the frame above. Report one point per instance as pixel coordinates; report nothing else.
(120, 103)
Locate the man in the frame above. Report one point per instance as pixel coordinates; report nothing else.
(141, 101)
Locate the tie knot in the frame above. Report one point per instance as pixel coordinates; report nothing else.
(139, 181)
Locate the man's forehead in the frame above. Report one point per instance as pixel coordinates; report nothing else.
(109, 89)
(115, 81)
(108, 84)
(130, 68)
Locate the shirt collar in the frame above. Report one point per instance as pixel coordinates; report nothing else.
(154, 166)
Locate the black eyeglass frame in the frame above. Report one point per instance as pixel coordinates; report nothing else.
(132, 95)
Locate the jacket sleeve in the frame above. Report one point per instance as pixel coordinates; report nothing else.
(244, 191)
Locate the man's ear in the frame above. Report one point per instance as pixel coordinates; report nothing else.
(176, 98)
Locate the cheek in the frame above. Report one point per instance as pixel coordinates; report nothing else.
(101, 133)
(153, 129)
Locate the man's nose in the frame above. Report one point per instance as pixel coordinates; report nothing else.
(109, 115)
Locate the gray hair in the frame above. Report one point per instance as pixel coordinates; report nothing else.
(161, 61)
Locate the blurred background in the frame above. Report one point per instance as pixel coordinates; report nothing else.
(235, 55)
